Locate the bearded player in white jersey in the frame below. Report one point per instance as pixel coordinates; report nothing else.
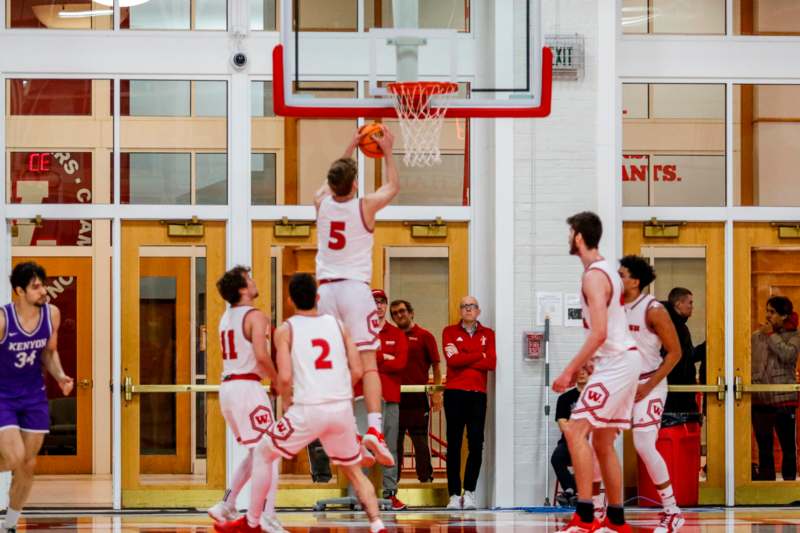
(605, 404)
(317, 365)
(345, 224)
(244, 335)
(651, 327)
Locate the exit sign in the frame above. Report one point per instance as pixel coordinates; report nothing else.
(568, 56)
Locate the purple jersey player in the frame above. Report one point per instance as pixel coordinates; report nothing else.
(28, 340)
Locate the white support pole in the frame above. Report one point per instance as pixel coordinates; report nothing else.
(116, 364)
(730, 372)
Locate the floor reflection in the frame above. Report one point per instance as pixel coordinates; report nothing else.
(761, 520)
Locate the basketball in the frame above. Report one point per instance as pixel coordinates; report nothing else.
(368, 146)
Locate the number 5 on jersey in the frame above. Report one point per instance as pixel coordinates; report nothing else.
(337, 240)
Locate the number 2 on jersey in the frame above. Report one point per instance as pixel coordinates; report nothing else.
(337, 240)
(229, 351)
(322, 362)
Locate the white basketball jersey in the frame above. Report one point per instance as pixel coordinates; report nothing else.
(237, 352)
(618, 338)
(648, 343)
(344, 244)
(320, 370)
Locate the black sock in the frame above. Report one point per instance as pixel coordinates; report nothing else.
(616, 514)
(585, 511)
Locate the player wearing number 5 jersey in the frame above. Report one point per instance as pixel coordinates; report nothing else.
(244, 336)
(345, 224)
(28, 343)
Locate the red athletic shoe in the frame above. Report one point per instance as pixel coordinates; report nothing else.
(624, 528)
(239, 525)
(576, 526)
(375, 443)
(367, 459)
(397, 504)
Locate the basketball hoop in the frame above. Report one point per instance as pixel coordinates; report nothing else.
(421, 124)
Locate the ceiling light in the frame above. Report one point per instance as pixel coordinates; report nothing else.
(82, 14)
(122, 3)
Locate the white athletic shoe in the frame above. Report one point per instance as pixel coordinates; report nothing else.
(374, 442)
(271, 524)
(455, 503)
(223, 512)
(469, 501)
(670, 522)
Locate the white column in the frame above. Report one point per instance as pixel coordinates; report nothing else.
(239, 230)
(609, 132)
(503, 233)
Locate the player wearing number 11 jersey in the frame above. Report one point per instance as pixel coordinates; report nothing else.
(28, 344)
(345, 224)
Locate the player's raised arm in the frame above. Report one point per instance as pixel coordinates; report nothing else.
(50, 358)
(257, 325)
(325, 189)
(375, 201)
(283, 345)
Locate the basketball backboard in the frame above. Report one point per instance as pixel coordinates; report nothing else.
(491, 48)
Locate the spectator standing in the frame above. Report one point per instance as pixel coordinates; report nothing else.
(469, 349)
(680, 305)
(423, 354)
(775, 346)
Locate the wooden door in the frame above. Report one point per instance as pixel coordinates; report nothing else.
(164, 359)
(67, 449)
(709, 239)
(764, 265)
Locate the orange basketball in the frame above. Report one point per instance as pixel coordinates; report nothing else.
(368, 146)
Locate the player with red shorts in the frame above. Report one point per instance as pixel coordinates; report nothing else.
(345, 226)
(317, 364)
(244, 334)
(605, 404)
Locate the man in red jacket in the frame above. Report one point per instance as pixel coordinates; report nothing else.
(469, 349)
(391, 358)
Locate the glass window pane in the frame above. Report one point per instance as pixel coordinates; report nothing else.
(766, 17)
(49, 232)
(674, 144)
(263, 178)
(765, 139)
(681, 17)
(262, 15)
(210, 15)
(59, 15)
(212, 179)
(211, 98)
(166, 123)
(155, 178)
(155, 98)
(261, 99)
(327, 15)
(158, 15)
(58, 141)
(438, 14)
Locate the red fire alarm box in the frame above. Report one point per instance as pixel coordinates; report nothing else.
(533, 345)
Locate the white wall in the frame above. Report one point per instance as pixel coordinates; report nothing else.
(555, 168)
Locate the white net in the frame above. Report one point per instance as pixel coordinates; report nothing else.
(421, 124)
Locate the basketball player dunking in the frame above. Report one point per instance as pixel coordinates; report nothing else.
(605, 404)
(317, 364)
(651, 327)
(344, 269)
(244, 333)
(28, 342)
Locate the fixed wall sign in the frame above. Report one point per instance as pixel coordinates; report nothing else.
(568, 55)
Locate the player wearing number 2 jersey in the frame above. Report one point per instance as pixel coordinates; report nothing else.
(244, 340)
(28, 343)
(344, 268)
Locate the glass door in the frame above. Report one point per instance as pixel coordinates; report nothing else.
(173, 434)
(693, 258)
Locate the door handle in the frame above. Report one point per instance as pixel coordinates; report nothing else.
(719, 389)
(86, 383)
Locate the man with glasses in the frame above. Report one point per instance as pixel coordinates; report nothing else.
(423, 354)
(469, 349)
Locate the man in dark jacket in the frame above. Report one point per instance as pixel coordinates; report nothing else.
(680, 305)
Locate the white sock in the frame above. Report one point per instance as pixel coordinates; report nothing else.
(376, 525)
(375, 420)
(240, 477)
(668, 500)
(269, 508)
(12, 516)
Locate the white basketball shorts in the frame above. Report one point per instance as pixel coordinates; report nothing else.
(647, 411)
(246, 409)
(607, 399)
(351, 302)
